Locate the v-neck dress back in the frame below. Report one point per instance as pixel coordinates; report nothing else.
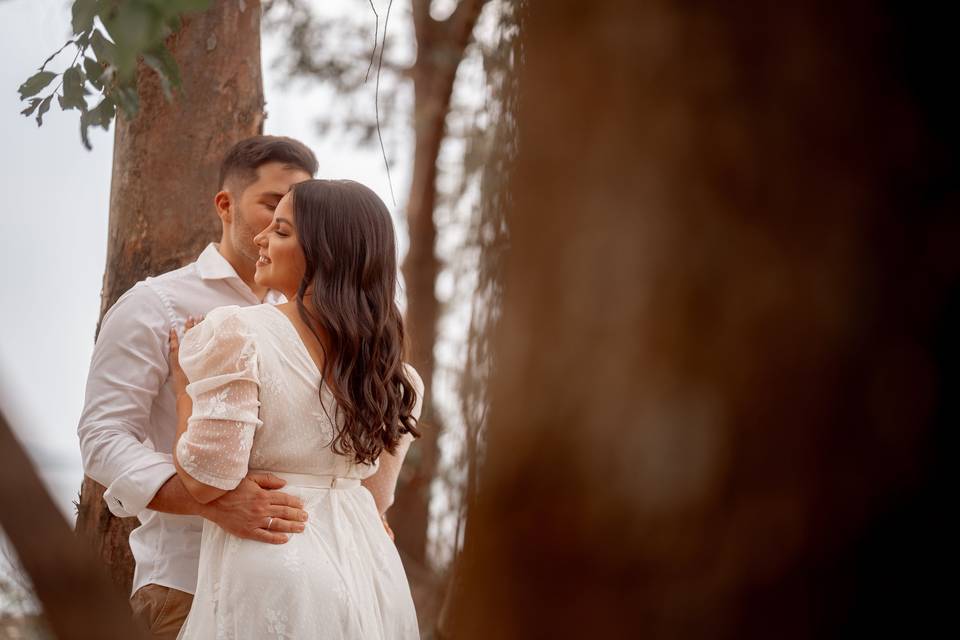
(258, 405)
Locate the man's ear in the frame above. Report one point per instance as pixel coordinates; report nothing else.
(223, 202)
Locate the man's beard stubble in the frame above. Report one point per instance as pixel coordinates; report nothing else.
(243, 235)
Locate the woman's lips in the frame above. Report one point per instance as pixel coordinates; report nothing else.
(263, 261)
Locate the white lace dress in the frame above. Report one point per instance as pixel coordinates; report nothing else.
(256, 406)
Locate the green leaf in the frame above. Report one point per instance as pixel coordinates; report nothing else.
(135, 28)
(105, 50)
(84, 130)
(174, 23)
(35, 84)
(185, 6)
(44, 107)
(102, 114)
(166, 67)
(84, 12)
(33, 106)
(173, 69)
(156, 64)
(73, 89)
(94, 71)
(127, 99)
(54, 54)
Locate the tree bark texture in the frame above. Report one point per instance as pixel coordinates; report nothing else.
(440, 49)
(165, 168)
(725, 372)
(78, 598)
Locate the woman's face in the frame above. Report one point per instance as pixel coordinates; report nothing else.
(281, 265)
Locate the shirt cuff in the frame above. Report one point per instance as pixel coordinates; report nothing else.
(131, 492)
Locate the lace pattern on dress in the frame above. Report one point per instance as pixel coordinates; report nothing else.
(220, 360)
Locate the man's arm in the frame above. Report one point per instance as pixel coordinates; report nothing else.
(241, 512)
(174, 498)
(127, 372)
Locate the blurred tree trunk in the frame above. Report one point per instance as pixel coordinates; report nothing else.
(79, 600)
(165, 167)
(725, 363)
(440, 49)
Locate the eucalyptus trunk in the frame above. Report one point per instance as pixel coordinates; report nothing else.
(165, 168)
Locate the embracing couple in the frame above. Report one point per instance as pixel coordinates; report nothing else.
(275, 361)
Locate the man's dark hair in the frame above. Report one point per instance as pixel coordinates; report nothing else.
(243, 159)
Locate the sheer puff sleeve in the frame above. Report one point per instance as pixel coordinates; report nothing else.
(220, 360)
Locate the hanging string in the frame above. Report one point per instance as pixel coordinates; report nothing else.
(376, 36)
(376, 96)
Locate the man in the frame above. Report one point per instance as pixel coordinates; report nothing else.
(128, 423)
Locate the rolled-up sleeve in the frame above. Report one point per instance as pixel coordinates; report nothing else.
(128, 368)
(220, 360)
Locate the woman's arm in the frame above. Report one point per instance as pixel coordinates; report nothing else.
(202, 493)
(383, 483)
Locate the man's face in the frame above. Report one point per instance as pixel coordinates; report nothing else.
(253, 209)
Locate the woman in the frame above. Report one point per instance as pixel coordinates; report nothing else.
(315, 391)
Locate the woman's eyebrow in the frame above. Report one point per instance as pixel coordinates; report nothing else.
(279, 220)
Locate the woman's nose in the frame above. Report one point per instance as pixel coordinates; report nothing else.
(258, 239)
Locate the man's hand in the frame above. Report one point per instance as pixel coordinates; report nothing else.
(177, 376)
(247, 510)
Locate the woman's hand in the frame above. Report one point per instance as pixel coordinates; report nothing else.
(180, 381)
(386, 525)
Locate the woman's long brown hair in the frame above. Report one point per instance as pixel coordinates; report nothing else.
(348, 241)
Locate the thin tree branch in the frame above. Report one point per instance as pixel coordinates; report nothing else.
(459, 24)
(422, 22)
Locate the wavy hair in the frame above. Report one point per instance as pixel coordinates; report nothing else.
(347, 238)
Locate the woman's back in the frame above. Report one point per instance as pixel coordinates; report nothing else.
(297, 421)
(257, 398)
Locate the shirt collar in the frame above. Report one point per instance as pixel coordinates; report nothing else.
(213, 266)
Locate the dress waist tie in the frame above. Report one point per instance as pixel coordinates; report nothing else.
(313, 481)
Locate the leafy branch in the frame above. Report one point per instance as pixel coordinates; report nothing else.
(110, 36)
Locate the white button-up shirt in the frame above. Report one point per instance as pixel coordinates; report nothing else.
(129, 416)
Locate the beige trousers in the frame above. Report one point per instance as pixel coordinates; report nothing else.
(161, 610)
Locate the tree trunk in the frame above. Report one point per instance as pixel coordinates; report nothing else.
(78, 598)
(165, 168)
(725, 369)
(440, 49)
